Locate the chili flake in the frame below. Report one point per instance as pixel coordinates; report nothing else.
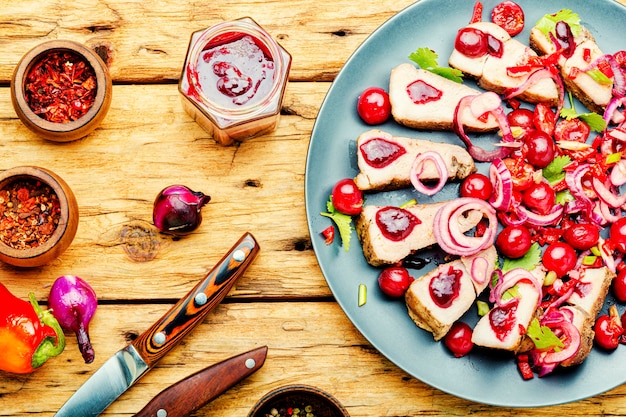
(60, 87)
(29, 214)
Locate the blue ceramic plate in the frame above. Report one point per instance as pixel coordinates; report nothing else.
(480, 377)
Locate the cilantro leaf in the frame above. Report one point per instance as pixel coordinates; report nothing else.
(543, 337)
(427, 59)
(548, 22)
(594, 120)
(563, 197)
(343, 222)
(529, 261)
(554, 172)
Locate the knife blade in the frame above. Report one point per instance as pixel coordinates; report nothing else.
(129, 364)
(198, 389)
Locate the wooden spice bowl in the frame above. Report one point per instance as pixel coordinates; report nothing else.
(277, 402)
(67, 214)
(71, 129)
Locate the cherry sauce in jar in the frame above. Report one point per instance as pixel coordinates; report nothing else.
(234, 79)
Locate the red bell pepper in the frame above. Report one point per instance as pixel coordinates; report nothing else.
(29, 336)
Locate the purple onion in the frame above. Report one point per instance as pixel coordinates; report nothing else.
(178, 210)
(73, 303)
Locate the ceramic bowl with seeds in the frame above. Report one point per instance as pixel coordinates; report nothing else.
(298, 401)
(38, 216)
(61, 90)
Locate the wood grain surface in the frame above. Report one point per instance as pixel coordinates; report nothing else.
(147, 142)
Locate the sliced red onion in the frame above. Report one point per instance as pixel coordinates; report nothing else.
(480, 270)
(569, 334)
(611, 114)
(446, 227)
(573, 179)
(485, 102)
(618, 173)
(502, 185)
(619, 83)
(511, 278)
(607, 255)
(606, 195)
(541, 219)
(618, 134)
(418, 168)
(534, 78)
(512, 218)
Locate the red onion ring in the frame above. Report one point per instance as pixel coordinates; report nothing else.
(486, 102)
(502, 182)
(479, 270)
(418, 167)
(573, 179)
(606, 195)
(541, 219)
(569, 334)
(618, 173)
(512, 278)
(446, 227)
(534, 78)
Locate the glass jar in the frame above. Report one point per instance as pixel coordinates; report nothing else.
(234, 79)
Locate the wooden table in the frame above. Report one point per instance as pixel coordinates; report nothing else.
(146, 143)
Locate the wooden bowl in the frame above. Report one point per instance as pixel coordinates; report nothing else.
(57, 131)
(62, 236)
(298, 396)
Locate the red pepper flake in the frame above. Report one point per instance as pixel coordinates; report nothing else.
(523, 364)
(29, 214)
(329, 234)
(61, 87)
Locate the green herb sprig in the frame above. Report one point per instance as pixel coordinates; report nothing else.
(342, 221)
(427, 59)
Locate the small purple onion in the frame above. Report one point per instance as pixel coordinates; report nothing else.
(178, 210)
(73, 303)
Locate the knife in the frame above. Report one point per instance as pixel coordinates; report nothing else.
(195, 391)
(129, 364)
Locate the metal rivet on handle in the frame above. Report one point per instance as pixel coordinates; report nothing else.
(250, 363)
(161, 413)
(159, 338)
(239, 255)
(200, 299)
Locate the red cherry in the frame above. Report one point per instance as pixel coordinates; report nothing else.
(560, 258)
(394, 281)
(374, 106)
(347, 198)
(513, 241)
(478, 186)
(539, 197)
(459, 339)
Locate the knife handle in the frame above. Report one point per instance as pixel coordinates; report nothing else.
(186, 314)
(195, 391)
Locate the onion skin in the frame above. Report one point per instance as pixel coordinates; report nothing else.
(178, 210)
(73, 303)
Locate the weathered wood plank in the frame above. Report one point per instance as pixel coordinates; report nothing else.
(147, 41)
(147, 142)
(312, 339)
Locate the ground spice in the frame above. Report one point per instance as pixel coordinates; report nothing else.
(29, 214)
(60, 87)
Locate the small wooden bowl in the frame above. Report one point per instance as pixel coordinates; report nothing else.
(65, 230)
(300, 396)
(75, 129)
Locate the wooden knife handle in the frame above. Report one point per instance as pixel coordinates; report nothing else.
(193, 392)
(185, 315)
